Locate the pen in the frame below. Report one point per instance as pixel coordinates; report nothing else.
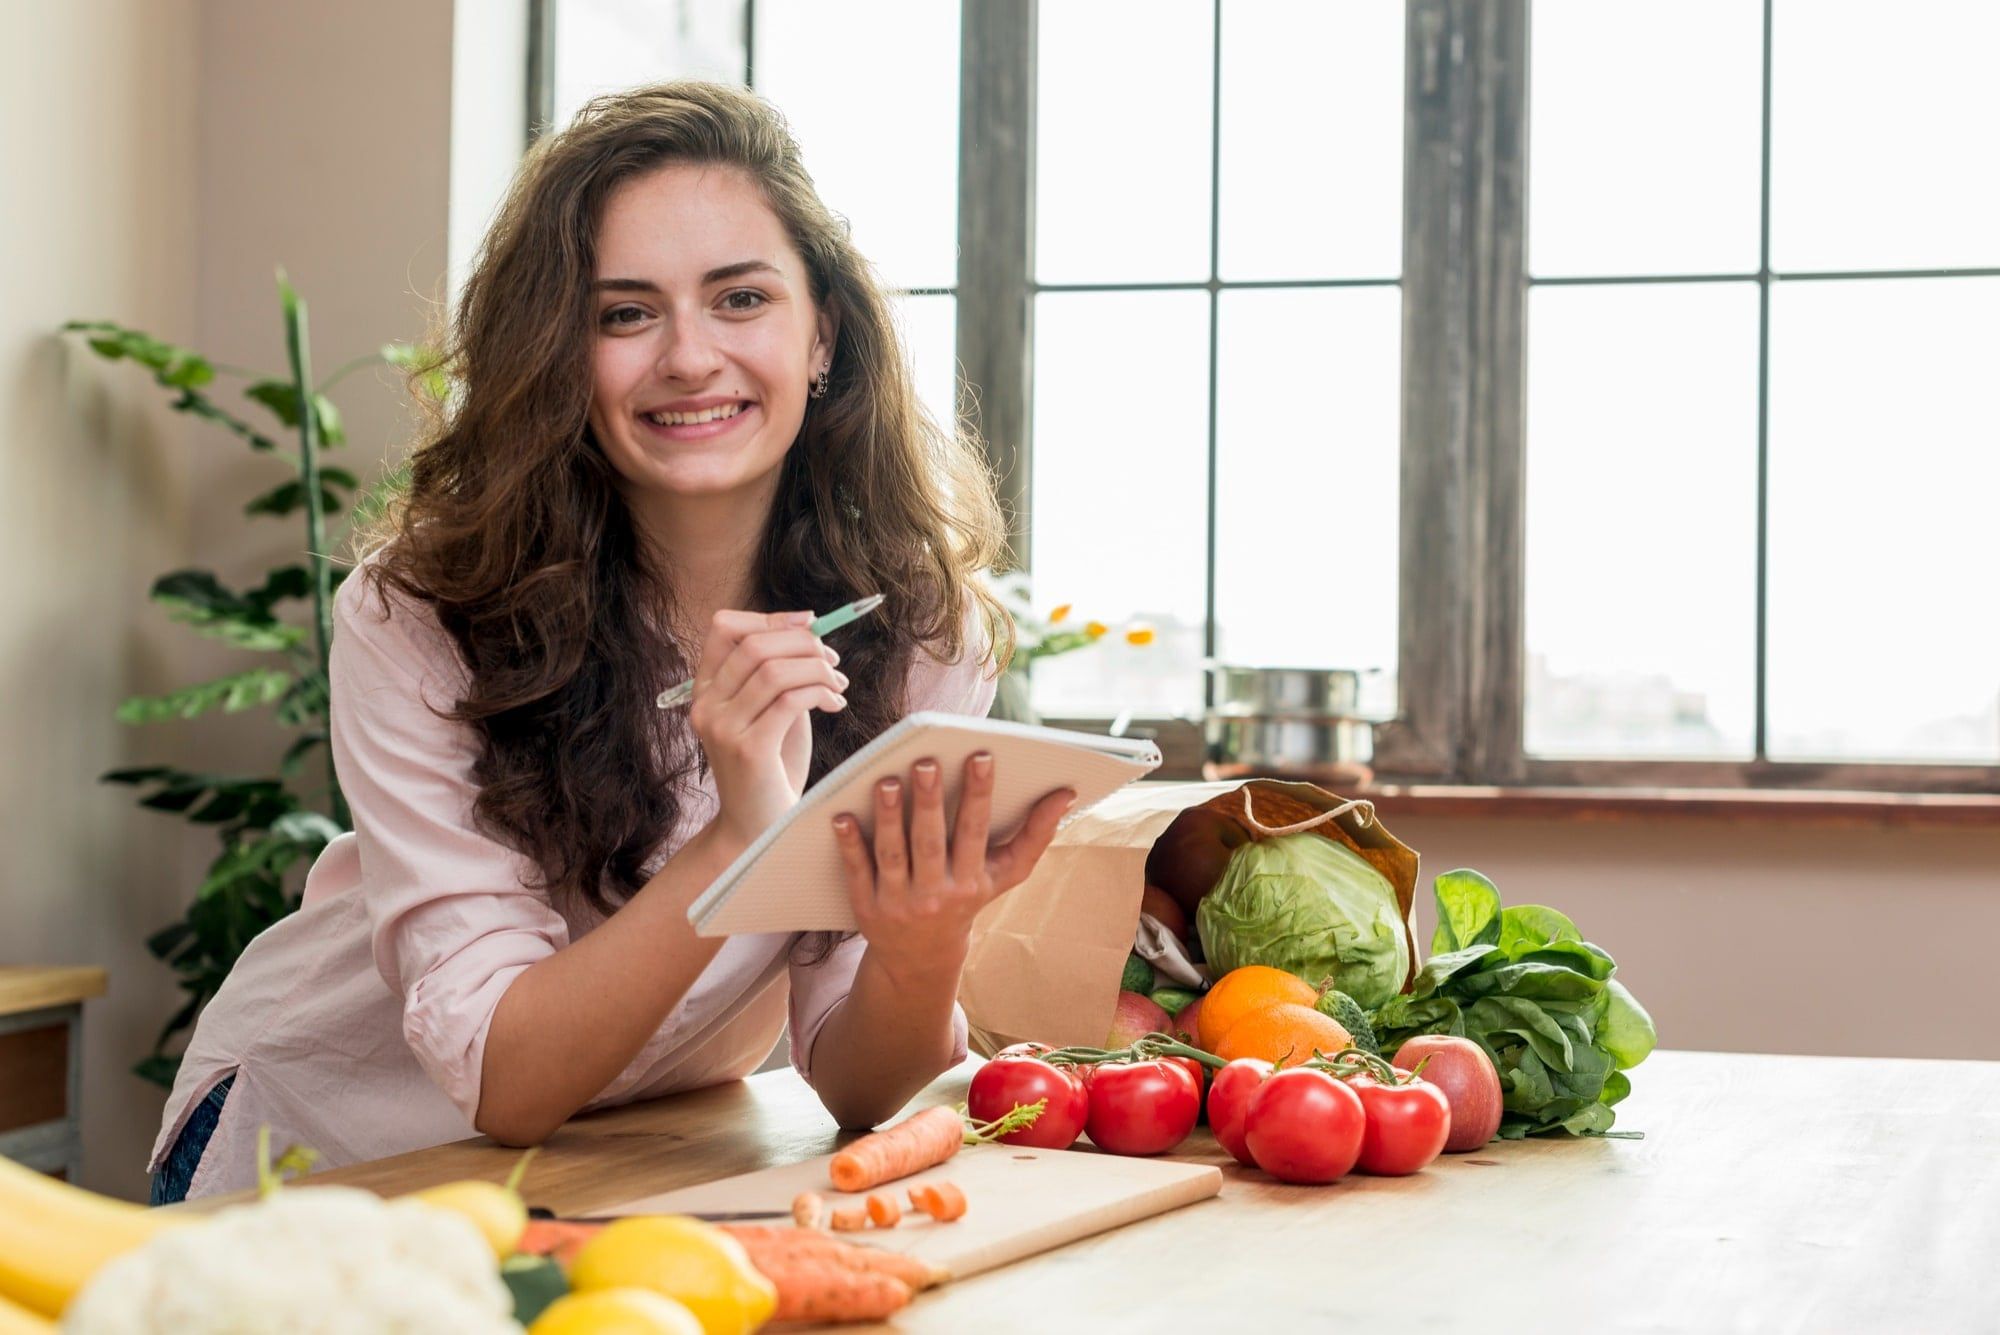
(832, 621)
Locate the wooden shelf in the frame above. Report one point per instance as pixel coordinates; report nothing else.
(29, 987)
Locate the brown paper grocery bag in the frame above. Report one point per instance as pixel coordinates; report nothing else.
(1046, 957)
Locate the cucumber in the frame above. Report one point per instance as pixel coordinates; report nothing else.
(1173, 1000)
(1347, 1013)
(1138, 976)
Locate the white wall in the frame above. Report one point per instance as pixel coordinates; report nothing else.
(1756, 938)
(161, 158)
(98, 115)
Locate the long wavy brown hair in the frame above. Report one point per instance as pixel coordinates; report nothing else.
(513, 527)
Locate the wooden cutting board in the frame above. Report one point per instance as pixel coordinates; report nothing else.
(1019, 1201)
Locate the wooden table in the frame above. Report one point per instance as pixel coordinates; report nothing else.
(1769, 1194)
(41, 1063)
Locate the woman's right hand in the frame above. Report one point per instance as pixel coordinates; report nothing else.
(760, 677)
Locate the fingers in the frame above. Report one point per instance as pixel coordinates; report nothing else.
(727, 629)
(975, 818)
(856, 865)
(722, 676)
(928, 873)
(1010, 864)
(892, 862)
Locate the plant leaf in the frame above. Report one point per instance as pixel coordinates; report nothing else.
(173, 366)
(286, 497)
(1525, 927)
(426, 366)
(159, 1069)
(200, 406)
(1468, 908)
(231, 694)
(283, 582)
(1626, 1032)
(305, 702)
(198, 599)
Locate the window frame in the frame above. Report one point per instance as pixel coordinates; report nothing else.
(1465, 282)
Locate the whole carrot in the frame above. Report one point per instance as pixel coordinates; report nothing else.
(917, 1143)
(816, 1290)
(776, 1243)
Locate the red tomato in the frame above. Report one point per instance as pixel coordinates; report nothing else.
(1407, 1125)
(1304, 1126)
(1229, 1099)
(1141, 1107)
(1461, 1068)
(1010, 1082)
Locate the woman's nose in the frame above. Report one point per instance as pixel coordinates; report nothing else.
(689, 354)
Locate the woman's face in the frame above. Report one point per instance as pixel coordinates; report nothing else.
(707, 334)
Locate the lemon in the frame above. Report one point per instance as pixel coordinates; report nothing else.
(691, 1262)
(496, 1211)
(615, 1312)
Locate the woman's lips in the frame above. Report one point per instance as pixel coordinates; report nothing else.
(699, 430)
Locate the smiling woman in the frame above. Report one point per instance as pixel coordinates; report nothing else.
(682, 422)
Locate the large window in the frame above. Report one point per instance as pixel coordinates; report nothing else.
(1614, 376)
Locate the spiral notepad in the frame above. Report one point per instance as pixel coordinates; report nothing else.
(791, 879)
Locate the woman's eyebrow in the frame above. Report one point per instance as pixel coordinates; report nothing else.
(723, 274)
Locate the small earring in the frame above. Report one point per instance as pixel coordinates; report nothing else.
(819, 386)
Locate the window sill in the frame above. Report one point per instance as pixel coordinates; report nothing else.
(1747, 806)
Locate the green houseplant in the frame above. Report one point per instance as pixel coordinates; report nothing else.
(267, 824)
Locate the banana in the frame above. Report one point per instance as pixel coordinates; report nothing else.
(54, 1236)
(20, 1321)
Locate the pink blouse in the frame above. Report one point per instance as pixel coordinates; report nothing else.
(357, 1026)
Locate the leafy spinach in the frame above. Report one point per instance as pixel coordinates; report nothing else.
(1524, 984)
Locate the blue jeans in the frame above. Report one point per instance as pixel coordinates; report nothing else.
(170, 1184)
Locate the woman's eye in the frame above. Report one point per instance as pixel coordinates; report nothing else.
(743, 299)
(621, 315)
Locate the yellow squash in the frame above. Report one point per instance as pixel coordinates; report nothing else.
(54, 1236)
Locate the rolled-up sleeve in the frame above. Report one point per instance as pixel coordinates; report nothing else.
(965, 685)
(452, 923)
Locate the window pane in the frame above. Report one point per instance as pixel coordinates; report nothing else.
(930, 335)
(1119, 493)
(1882, 120)
(1328, 79)
(603, 46)
(1306, 503)
(1123, 135)
(1645, 145)
(883, 149)
(1641, 598)
(1885, 462)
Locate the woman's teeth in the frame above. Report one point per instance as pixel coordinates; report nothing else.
(689, 419)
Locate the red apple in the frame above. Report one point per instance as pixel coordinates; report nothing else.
(1137, 1015)
(1159, 904)
(1461, 1068)
(1187, 1023)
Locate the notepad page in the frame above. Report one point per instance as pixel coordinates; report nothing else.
(792, 879)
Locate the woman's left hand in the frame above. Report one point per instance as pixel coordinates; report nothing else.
(915, 894)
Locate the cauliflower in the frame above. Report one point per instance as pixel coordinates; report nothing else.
(320, 1261)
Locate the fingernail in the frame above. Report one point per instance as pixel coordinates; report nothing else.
(1069, 798)
(982, 764)
(892, 792)
(840, 678)
(927, 774)
(832, 654)
(800, 618)
(840, 702)
(843, 824)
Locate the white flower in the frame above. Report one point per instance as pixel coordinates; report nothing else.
(316, 1261)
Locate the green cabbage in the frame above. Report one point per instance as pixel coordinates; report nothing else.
(1313, 907)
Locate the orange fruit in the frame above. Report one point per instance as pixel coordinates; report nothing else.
(1241, 991)
(1284, 1035)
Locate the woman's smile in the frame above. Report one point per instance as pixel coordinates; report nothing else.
(699, 419)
